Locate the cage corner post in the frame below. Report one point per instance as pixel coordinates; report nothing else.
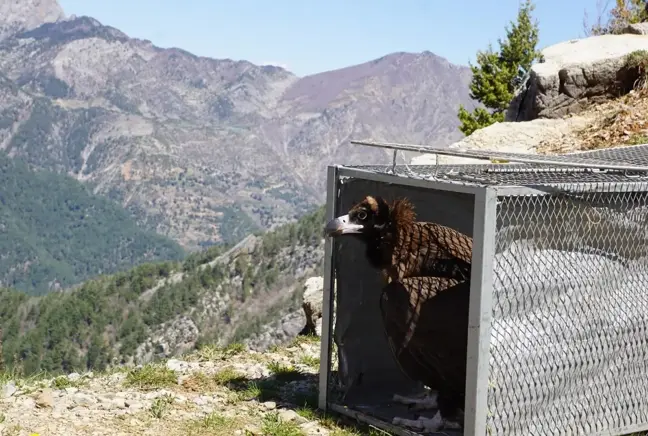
(328, 296)
(479, 315)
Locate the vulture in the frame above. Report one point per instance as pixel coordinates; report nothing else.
(424, 303)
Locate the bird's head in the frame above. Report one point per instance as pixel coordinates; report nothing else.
(371, 216)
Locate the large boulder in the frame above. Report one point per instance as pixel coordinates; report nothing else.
(278, 332)
(306, 320)
(312, 305)
(575, 74)
(524, 137)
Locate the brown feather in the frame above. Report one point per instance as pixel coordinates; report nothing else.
(402, 212)
(424, 305)
(426, 323)
(428, 249)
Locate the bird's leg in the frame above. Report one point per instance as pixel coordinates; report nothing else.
(427, 400)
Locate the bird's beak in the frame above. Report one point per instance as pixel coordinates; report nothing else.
(341, 226)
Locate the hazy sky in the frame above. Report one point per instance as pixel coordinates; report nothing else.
(308, 36)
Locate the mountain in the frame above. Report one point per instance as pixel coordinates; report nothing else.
(23, 15)
(205, 150)
(156, 310)
(55, 233)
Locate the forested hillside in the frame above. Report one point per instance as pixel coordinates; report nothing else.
(157, 310)
(54, 233)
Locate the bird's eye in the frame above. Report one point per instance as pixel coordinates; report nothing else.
(362, 215)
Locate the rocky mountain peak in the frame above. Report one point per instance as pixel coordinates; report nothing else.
(74, 28)
(236, 147)
(20, 15)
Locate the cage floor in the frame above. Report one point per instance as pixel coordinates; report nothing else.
(381, 407)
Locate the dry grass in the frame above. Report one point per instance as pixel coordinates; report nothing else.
(619, 122)
(616, 123)
(623, 122)
(215, 424)
(150, 377)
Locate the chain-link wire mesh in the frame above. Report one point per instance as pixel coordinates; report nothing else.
(623, 157)
(507, 175)
(569, 332)
(634, 154)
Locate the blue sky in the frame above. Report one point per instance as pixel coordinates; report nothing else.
(314, 36)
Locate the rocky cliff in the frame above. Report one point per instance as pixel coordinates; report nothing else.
(203, 150)
(588, 93)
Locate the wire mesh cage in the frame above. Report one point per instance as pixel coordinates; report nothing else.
(558, 316)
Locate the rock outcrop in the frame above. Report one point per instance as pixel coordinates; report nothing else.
(312, 305)
(569, 102)
(278, 332)
(577, 73)
(306, 320)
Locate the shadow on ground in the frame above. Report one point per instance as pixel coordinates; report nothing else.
(294, 390)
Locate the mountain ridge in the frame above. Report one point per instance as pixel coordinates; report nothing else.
(208, 150)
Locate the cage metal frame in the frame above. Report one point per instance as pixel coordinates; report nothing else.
(485, 200)
(481, 292)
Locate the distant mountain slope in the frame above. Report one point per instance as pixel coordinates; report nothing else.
(207, 150)
(54, 232)
(18, 15)
(160, 310)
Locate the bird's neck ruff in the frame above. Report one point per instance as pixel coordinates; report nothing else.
(401, 214)
(382, 241)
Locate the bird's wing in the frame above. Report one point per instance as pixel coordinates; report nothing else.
(429, 249)
(426, 323)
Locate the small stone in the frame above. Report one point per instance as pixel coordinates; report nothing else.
(201, 401)
(175, 365)
(9, 389)
(27, 402)
(288, 415)
(183, 378)
(252, 431)
(74, 376)
(133, 404)
(44, 399)
(270, 405)
(81, 399)
(312, 428)
(113, 404)
(118, 377)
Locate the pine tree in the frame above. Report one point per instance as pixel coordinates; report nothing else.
(496, 75)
